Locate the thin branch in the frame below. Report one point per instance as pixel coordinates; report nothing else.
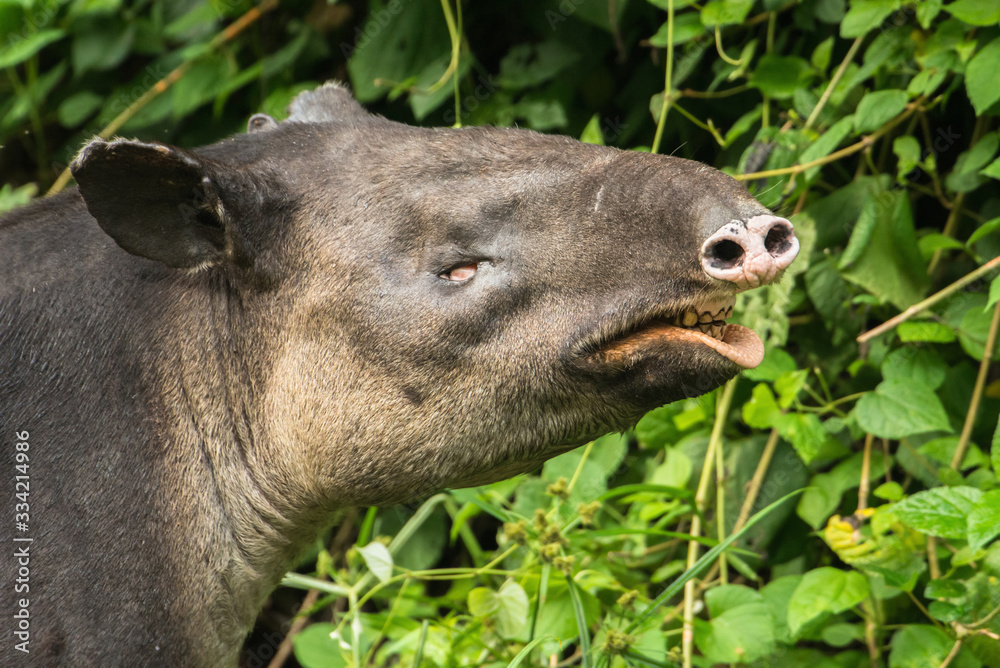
(833, 83)
(836, 155)
(722, 52)
(701, 500)
(662, 120)
(757, 480)
(955, 649)
(930, 301)
(977, 392)
(866, 468)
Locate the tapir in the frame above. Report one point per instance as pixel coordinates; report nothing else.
(204, 354)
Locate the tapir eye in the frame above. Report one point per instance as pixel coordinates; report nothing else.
(460, 273)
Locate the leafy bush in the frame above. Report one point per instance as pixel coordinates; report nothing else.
(872, 125)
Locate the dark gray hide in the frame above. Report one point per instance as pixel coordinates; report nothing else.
(213, 350)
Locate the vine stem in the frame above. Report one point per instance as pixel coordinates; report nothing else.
(757, 480)
(231, 31)
(982, 124)
(977, 392)
(930, 301)
(662, 121)
(866, 468)
(701, 501)
(833, 83)
(955, 649)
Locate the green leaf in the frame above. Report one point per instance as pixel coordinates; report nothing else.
(762, 410)
(201, 84)
(995, 451)
(604, 458)
(686, 27)
(423, 102)
(944, 588)
(929, 243)
(11, 197)
(824, 591)
(101, 43)
(907, 150)
(17, 49)
(777, 594)
(741, 628)
(315, 647)
(395, 43)
(675, 471)
(965, 176)
(378, 560)
(992, 170)
(482, 602)
(975, 12)
(973, 330)
(994, 293)
(805, 432)
(984, 520)
(527, 65)
(982, 77)
(788, 386)
(922, 645)
(512, 613)
(883, 255)
(926, 11)
(592, 133)
(916, 331)
(78, 107)
(877, 108)
(822, 497)
(826, 145)
(725, 12)
(842, 635)
(942, 511)
(890, 491)
(865, 15)
(898, 408)
(988, 227)
(922, 366)
(780, 76)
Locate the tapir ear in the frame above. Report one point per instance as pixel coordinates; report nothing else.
(155, 201)
(331, 102)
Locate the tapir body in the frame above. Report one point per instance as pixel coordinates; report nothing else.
(209, 352)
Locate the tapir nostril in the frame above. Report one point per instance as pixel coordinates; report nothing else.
(778, 240)
(725, 253)
(752, 253)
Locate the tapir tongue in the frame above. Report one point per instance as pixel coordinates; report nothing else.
(739, 344)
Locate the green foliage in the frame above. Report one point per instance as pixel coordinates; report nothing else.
(872, 124)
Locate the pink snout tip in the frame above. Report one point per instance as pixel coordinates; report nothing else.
(752, 253)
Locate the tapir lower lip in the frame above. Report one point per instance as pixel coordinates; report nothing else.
(738, 344)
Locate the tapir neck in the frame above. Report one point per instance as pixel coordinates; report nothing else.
(249, 529)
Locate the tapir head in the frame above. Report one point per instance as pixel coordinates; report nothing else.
(444, 307)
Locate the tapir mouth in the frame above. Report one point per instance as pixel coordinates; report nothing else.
(703, 323)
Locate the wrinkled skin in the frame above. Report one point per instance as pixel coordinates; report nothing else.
(215, 350)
